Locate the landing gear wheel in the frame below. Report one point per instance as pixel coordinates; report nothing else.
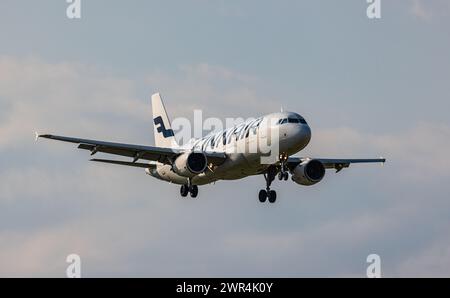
(262, 195)
(194, 191)
(272, 196)
(286, 176)
(281, 176)
(184, 190)
(269, 176)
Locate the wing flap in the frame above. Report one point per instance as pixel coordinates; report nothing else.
(337, 164)
(331, 163)
(125, 163)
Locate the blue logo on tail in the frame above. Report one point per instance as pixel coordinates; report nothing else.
(162, 128)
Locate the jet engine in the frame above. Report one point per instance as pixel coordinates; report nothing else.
(190, 164)
(309, 172)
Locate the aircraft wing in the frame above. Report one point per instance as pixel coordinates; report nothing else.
(136, 152)
(330, 163)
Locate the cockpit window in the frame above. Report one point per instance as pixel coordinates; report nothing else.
(292, 120)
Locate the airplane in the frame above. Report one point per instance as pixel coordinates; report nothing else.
(209, 159)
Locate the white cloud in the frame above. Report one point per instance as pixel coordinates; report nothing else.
(433, 261)
(59, 97)
(54, 202)
(429, 9)
(418, 9)
(78, 99)
(197, 86)
(58, 183)
(420, 152)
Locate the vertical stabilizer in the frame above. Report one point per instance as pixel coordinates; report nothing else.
(164, 136)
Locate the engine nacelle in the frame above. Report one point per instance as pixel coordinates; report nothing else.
(308, 172)
(190, 164)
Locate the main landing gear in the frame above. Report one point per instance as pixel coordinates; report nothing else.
(268, 194)
(283, 174)
(189, 189)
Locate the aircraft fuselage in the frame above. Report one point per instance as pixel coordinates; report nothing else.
(250, 136)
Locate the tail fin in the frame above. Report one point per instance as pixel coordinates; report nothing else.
(164, 136)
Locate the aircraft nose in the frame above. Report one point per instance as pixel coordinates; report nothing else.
(304, 134)
(300, 137)
(295, 137)
(307, 130)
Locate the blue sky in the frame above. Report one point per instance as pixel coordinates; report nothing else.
(367, 88)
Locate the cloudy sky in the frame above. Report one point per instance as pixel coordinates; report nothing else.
(368, 88)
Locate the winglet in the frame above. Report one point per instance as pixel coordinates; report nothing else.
(36, 136)
(383, 160)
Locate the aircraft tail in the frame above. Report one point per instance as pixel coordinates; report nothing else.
(164, 136)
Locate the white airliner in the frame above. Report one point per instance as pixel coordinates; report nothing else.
(208, 159)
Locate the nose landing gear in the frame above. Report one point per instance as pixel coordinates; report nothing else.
(283, 174)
